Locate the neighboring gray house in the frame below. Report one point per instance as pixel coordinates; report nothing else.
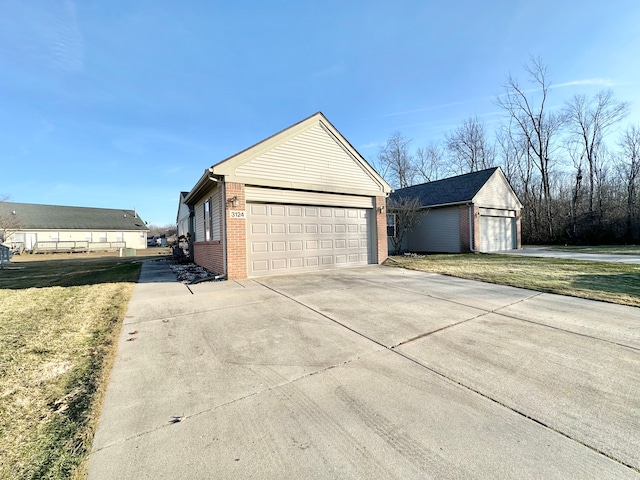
(477, 211)
(183, 219)
(53, 228)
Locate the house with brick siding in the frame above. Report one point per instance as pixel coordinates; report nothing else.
(475, 212)
(301, 200)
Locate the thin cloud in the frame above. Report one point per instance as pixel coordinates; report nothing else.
(436, 107)
(599, 82)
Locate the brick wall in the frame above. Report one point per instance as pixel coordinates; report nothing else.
(381, 230)
(209, 255)
(236, 234)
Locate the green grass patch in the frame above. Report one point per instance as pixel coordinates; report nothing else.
(609, 282)
(59, 323)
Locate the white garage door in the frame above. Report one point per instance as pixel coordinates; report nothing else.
(497, 233)
(291, 238)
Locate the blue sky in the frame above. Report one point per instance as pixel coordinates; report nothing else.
(123, 104)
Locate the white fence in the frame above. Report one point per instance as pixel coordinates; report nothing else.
(71, 246)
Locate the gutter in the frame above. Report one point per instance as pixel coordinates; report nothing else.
(202, 185)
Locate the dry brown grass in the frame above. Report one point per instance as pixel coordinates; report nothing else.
(609, 282)
(56, 347)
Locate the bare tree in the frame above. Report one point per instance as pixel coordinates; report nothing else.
(407, 215)
(630, 168)
(468, 147)
(429, 163)
(589, 121)
(396, 162)
(9, 221)
(535, 126)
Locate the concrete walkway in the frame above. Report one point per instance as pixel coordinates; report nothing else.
(374, 372)
(592, 257)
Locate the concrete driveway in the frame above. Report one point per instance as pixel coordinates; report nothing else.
(374, 372)
(535, 251)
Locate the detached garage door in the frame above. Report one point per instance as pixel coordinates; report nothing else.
(293, 238)
(497, 233)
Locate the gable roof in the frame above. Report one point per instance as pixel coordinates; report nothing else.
(448, 191)
(55, 217)
(309, 155)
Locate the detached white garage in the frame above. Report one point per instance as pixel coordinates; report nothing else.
(476, 212)
(301, 200)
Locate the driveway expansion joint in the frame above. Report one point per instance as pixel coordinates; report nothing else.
(453, 380)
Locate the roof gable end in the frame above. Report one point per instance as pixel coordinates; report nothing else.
(311, 155)
(448, 191)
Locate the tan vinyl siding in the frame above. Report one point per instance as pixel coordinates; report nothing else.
(272, 195)
(216, 214)
(199, 222)
(496, 193)
(312, 157)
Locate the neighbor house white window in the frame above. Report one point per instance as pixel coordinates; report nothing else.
(87, 237)
(391, 224)
(119, 237)
(100, 237)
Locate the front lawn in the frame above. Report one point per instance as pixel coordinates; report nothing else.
(609, 282)
(60, 317)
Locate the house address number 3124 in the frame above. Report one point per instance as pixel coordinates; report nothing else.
(236, 214)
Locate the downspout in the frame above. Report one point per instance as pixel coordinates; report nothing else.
(223, 186)
(223, 234)
(471, 229)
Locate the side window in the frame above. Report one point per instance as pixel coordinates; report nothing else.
(391, 224)
(207, 220)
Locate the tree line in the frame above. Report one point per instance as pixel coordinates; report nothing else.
(575, 169)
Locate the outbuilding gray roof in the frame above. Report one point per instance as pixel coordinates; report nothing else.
(54, 217)
(447, 191)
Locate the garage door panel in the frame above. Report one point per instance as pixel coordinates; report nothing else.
(296, 262)
(278, 246)
(279, 264)
(277, 211)
(259, 228)
(260, 266)
(256, 210)
(292, 237)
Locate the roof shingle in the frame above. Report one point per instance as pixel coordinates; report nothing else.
(55, 217)
(447, 191)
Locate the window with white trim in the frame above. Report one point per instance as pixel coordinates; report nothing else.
(207, 220)
(391, 224)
